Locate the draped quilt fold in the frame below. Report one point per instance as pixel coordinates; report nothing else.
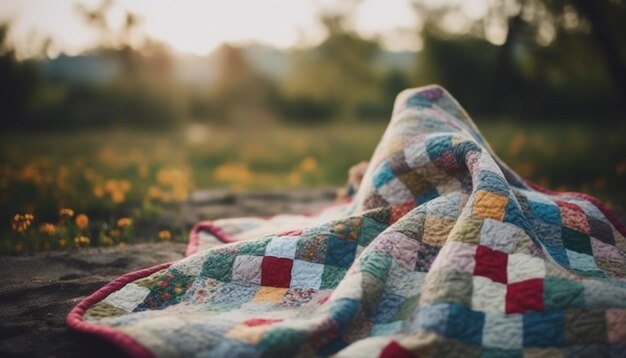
(442, 251)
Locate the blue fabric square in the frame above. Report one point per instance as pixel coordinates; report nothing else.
(388, 305)
(464, 324)
(559, 255)
(343, 310)
(432, 318)
(383, 175)
(340, 252)
(332, 347)
(513, 214)
(427, 196)
(546, 212)
(438, 145)
(489, 352)
(543, 329)
(490, 181)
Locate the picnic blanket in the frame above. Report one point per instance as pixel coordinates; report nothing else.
(442, 251)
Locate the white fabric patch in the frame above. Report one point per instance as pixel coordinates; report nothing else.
(487, 295)
(395, 192)
(503, 331)
(247, 269)
(500, 236)
(284, 246)
(306, 274)
(522, 267)
(128, 297)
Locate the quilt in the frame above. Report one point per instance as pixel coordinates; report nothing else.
(442, 250)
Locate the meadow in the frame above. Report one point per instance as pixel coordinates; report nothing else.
(65, 190)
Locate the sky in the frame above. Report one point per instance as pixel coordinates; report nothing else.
(199, 26)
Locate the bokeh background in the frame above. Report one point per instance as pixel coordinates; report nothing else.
(112, 112)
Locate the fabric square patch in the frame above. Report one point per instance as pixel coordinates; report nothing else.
(306, 274)
(270, 294)
(489, 205)
(416, 155)
(562, 294)
(312, 249)
(395, 192)
(400, 210)
(522, 267)
(577, 241)
(500, 236)
(547, 212)
(492, 182)
(615, 326)
(388, 305)
(524, 296)
(218, 265)
(433, 318)
(585, 327)
(383, 175)
(583, 264)
(276, 271)
(331, 276)
(464, 324)
(247, 269)
(467, 230)
(503, 331)
(449, 286)
(601, 230)
(376, 264)
(573, 217)
(458, 256)
(491, 264)
(253, 247)
(340, 252)
(369, 230)
(284, 246)
(488, 296)
(606, 251)
(427, 196)
(437, 229)
(129, 297)
(437, 146)
(415, 182)
(543, 329)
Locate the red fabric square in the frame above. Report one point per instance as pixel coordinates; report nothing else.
(400, 210)
(395, 350)
(524, 296)
(276, 272)
(491, 263)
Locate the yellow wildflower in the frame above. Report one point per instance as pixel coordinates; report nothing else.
(309, 164)
(82, 221)
(66, 213)
(165, 235)
(48, 229)
(124, 222)
(21, 222)
(81, 241)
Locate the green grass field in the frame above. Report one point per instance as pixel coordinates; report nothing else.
(143, 175)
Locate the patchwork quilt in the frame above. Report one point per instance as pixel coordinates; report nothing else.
(442, 251)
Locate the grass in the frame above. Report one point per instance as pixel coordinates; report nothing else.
(144, 175)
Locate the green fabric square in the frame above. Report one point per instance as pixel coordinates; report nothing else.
(218, 265)
(467, 230)
(331, 276)
(281, 342)
(254, 247)
(448, 286)
(561, 294)
(370, 229)
(372, 290)
(576, 241)
(585, 327)
(377, 264)
(407, 308)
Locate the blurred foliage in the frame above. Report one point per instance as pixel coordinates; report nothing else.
(116, 133)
